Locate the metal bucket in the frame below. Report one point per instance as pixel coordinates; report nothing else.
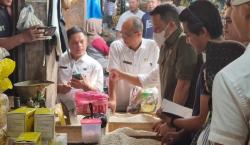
(30, 88)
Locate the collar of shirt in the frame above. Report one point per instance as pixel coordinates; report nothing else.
(81, 59)
(173, 38)
(142, 46)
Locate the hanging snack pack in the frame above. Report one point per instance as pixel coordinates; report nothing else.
(7, 66)
(27, 19)
(143, 100)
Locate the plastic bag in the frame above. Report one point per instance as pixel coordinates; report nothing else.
(3, 53)
(4, 108)
(143, 100)
(27, 19)
(7, 66)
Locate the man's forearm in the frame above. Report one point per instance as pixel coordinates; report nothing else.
(11, 42)
(181, 92)
(131, 79)
(112, 92)
(190, 124)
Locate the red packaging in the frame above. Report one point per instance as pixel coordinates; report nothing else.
(99, 101)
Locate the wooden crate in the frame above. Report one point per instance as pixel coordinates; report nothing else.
(74, 134)
(137, 126)
(134, 121)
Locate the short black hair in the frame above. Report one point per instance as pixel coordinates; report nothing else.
(202, 14)
(75, 29)
(228, 3)
(167, 12)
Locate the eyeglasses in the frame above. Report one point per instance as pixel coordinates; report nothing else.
(226, 20)
(128, 34)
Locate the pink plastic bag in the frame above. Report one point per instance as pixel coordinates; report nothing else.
(98, 99)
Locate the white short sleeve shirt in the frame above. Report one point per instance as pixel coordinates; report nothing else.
(231, 103)
(125, 59)
(86, 66)
(125, 16)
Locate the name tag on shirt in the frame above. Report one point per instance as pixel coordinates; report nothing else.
(127, 62)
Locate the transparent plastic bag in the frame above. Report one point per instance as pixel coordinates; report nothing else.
(27, 19)
(4, 108)
(134, 100)
(143, 100)
(149, 98)
(3, 53)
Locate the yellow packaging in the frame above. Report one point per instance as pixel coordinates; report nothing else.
(19, 121)
(44, 122)
(29, 138)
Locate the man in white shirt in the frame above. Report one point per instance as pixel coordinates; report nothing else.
(132, 54)
(173, 67)
(133, 11)
(230, 123)
(77, 70)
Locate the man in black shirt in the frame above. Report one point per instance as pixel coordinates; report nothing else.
(6, 39)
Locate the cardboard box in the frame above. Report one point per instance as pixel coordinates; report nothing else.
(44, 122)
(29, 138)
(19, 121)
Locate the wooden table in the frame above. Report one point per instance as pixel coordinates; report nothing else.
(74, 132)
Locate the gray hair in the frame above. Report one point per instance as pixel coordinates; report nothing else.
(137, 25)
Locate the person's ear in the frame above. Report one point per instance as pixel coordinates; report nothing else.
(171, 24)
(204, 32)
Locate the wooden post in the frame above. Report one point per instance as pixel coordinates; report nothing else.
(31, 60)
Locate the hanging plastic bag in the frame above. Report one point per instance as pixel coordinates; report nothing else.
(3, 53)
(7, 66)
(27, 19)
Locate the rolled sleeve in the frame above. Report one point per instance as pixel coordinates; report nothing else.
(151, 79)
(186, 61)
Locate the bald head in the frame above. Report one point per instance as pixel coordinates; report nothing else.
(132, 32)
